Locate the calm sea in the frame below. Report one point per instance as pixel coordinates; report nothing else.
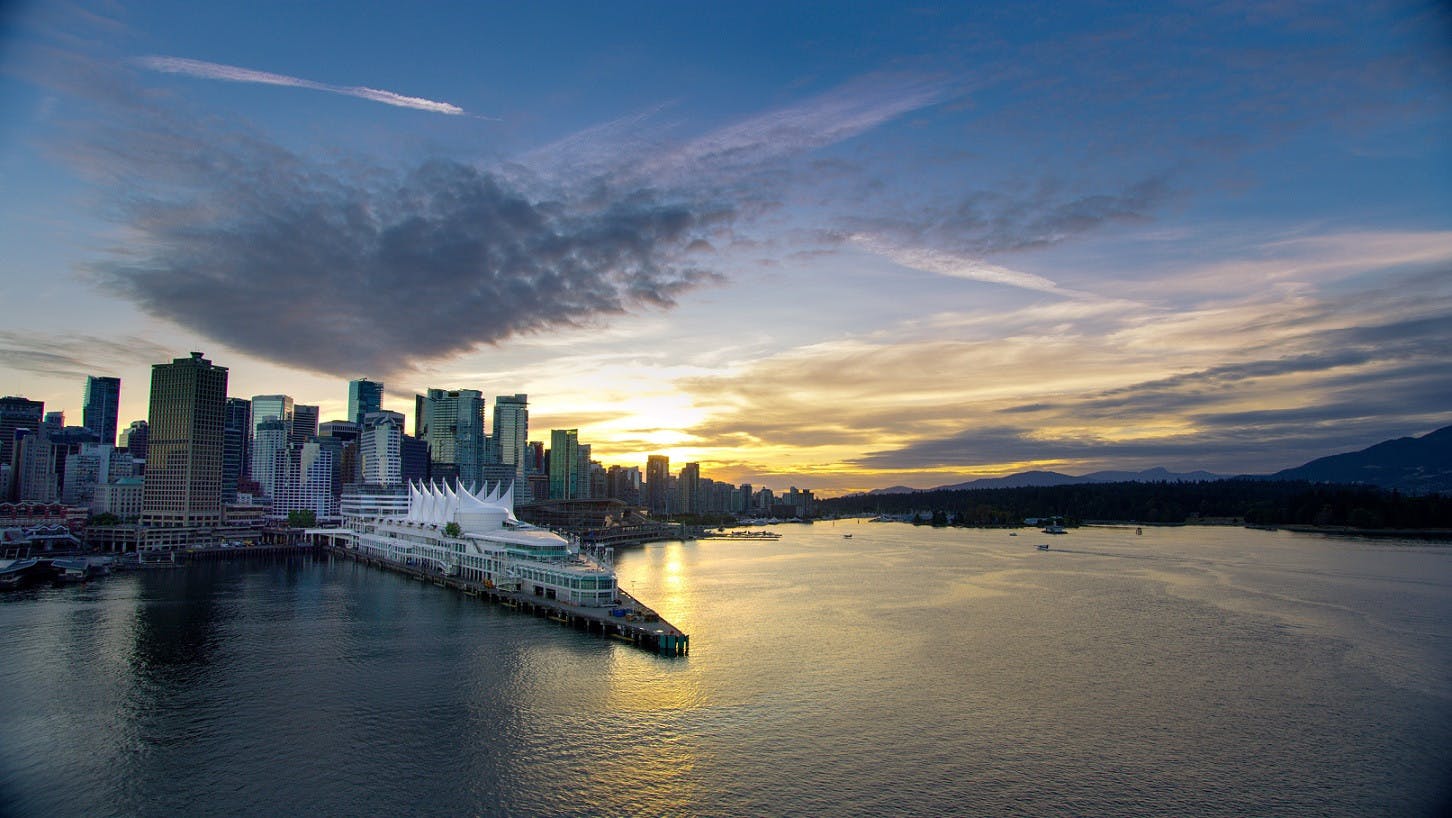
(903, 671)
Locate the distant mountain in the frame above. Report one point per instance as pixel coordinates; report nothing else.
(1053, 478)
(1411, 464)
(894, 490)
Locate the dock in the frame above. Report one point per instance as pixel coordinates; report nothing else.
(630, 621)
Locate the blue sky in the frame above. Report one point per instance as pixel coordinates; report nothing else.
(837, 246)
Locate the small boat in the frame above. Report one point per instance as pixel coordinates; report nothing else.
(846, 536)
(1139, 531)
(1042, 546)
(1013, 533)
(1055, 529)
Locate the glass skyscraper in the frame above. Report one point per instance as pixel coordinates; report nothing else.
(100, 406)
(364, 396)
(183, 485)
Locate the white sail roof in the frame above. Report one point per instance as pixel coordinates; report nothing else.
(432, 504)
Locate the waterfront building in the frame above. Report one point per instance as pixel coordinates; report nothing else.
(486, 544)
(236, 445)
(269, 440)
(364, 396)
(183, 481)
(565, 477)
(17, 413)
(510, 439)
(134, 439)
(121, 497)
(303, 481)
(364, 500)
(100, 406)
(451, 422)
(657, 480)
(382, 449)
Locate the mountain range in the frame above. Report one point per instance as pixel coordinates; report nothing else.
(1416, 465)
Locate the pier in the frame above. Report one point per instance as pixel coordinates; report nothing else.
(630, 621)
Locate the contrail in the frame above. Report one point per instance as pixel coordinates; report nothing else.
(231, 73)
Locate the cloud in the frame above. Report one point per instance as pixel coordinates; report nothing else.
(232, 73)
(312, 267)
(74, 356)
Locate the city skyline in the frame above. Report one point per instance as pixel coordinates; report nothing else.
(843, 249)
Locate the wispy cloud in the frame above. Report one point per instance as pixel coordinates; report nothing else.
(232, 73)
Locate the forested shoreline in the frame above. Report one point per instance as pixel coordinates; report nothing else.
(1253, 502)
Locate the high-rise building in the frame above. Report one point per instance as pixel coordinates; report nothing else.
(657, 478)
(183, 486)
(511, 439)
(34, 475)
(278, 407)
(413, 455)
(565, 475)
(304, 424)
(17, 413)
(236, 445)
(452, 423)
(302, 480)
(688, 486)
(382, 444)
(269, 441)
(100, 406)
(364, 396)
(54, 422)
(134, 438)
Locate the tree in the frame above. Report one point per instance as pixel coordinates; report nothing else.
(302, 518)
(453, 530)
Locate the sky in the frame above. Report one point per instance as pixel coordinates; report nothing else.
(825, 245)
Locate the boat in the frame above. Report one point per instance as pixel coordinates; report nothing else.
(846, 536)
(1042, 546)
(1013, 533)
(1139, 530)
(1055, 529)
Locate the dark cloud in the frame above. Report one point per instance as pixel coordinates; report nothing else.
(351, 266)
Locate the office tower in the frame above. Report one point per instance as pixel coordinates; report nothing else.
(15, 414)
(688, 486)
(87, 466)
(382, 445)
(564, 464)
(348, 464)
(183, 486)
(364, 396)
(269, 441)
(236, 445)
(34, 476)
(100, 405)
(452, 423)
(511, 439)
(54, 422)
(278, 407)
(304, 424)
(657, 477)
(133, 439)
(413, 455)
(584, 474)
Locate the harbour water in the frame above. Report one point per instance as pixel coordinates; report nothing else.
(903, 671)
